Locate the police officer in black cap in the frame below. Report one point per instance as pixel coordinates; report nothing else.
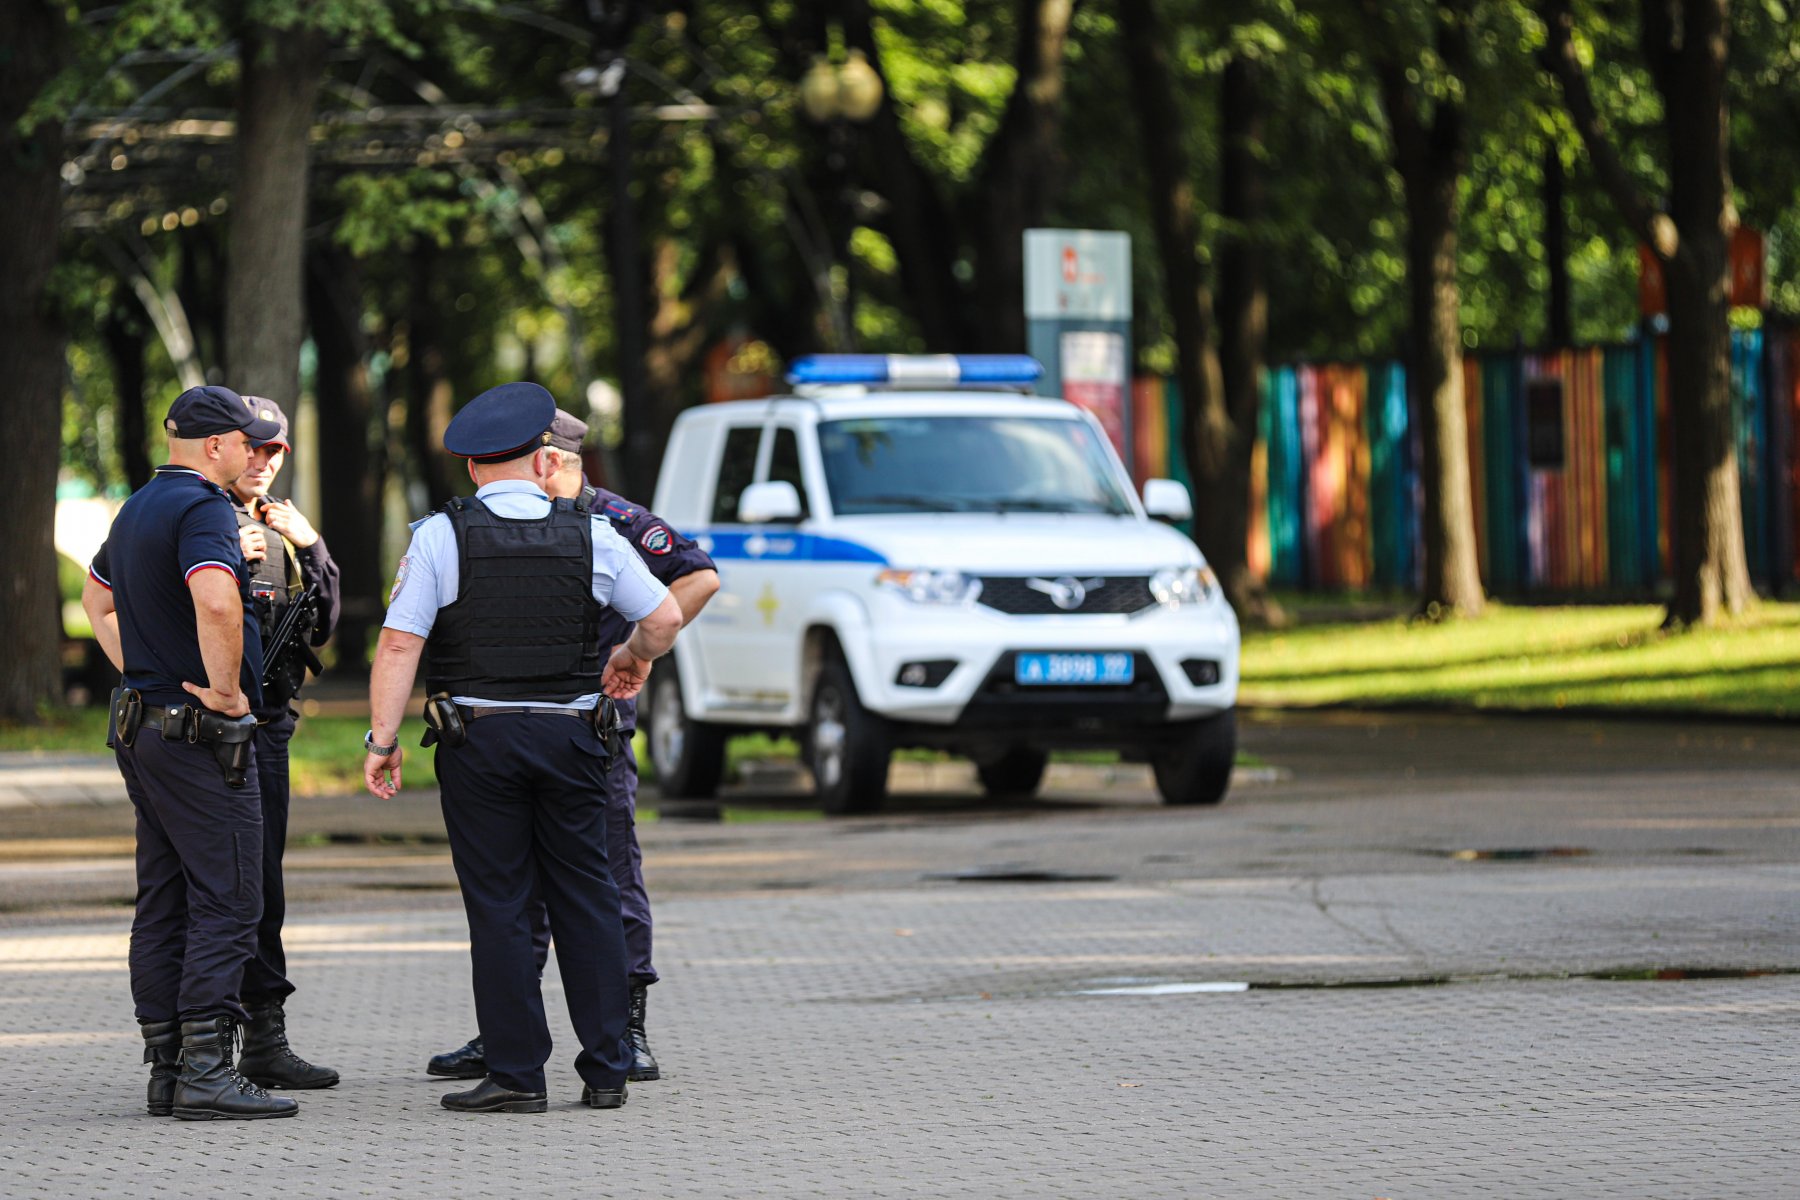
(510, 591)
(692, 579)
(169, 600)
(290, 569)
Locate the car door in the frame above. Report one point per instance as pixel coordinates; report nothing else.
(728, 619)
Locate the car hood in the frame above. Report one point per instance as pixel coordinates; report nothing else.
(984, 543)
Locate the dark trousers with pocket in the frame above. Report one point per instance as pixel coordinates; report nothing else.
(199, 879)
(524, 807)
(265, 976)
(627, 864)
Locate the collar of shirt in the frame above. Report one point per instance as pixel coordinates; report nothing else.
(168, 469)
(510, 487)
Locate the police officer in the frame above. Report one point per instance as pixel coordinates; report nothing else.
(692, 579)
(169, 601)
(509, 590)
(286, 555)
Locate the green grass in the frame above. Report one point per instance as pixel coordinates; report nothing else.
(1594, 658)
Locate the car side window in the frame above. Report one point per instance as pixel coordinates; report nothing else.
(737, 468)
(784, 466)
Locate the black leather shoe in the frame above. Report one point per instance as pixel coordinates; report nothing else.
(468, 1062)
(162, 1050)
(210, 1088)
(643, 1063)
(268, 1061)
(488, 1097)
(595, 1097)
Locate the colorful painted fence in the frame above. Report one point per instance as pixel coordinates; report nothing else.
(1568, 456)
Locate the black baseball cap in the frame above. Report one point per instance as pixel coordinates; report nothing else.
(267, 410)
(204, 411)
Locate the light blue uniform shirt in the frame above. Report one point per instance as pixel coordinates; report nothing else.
(430, 574)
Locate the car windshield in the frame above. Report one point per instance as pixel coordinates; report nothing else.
(968, 464)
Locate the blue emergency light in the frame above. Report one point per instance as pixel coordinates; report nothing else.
(916, 370)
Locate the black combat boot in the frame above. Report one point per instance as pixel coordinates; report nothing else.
(465, 1062)
(162, 1050)
(267, 1059)
(643, 1063)
(210, 1088)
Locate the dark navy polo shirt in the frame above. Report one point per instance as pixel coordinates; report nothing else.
(172, 528)
(668, 555)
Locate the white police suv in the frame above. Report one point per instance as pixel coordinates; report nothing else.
(913, 552)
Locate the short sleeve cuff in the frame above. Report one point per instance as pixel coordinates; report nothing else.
(99, 578)
(209, 566)
(651, 606)
(402, 625)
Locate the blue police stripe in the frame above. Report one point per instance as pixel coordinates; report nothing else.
(788, 547)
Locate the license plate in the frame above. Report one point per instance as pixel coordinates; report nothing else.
(1065, 669)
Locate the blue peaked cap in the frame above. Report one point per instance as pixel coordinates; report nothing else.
(504, 422)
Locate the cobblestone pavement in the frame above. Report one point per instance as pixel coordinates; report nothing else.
(1450, 933)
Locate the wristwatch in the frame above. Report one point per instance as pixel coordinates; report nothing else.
(383, 751)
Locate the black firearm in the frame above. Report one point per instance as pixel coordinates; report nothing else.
(289, 652)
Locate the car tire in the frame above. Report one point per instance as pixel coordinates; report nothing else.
(1018, 772)
(688, 755)
(847, 745)
(1196, 768)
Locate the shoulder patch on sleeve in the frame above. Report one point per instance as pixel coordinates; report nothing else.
(656, 540)
(399, 577)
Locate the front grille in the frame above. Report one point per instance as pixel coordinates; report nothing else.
(1098, 594)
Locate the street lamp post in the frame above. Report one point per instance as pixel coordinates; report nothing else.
(838, 96)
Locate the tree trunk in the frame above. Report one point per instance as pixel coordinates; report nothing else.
(264, 306)
(1207, 435)
(1712, 574)
(1452, 583)
(31, 361)
(1022, 171)
(125, 348)
(352, 447)
(428, 381)
(1687, 50)
(1243, 333)
(1430, 157)
(1559, 329)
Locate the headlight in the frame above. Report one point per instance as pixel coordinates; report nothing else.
(932, 587)
(1176, 586)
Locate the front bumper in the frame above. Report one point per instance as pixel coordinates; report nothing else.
(979, 692)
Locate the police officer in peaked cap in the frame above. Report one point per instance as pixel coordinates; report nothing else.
(692, 579)
(288, 562)
(510, 591)
(169, 601)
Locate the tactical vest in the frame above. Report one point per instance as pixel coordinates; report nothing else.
(525, 624)
(274, 579)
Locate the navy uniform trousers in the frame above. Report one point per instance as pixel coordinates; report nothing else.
(199, 876)
(265, 978)
(524, 804)
(625, 859)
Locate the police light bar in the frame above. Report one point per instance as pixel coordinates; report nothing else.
(916, 370)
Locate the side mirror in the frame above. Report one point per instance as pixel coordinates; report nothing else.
(763, 503)
(1165, 500)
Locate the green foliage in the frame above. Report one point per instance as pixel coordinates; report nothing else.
(391, 212)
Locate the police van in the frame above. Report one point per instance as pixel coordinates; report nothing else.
(914, 551)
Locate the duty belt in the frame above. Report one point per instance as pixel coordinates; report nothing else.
(475, 712)
(177, 717)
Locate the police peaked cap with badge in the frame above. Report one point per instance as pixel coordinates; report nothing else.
(211, 410)
(268, 410)
(503, 423)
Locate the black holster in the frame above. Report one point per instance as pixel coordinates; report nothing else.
(124, 716)
(443, 722)
(606, 724)
(230, 739)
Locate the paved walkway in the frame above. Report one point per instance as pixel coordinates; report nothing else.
(954, 999)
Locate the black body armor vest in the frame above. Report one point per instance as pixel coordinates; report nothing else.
(273, 579)
(525, 624)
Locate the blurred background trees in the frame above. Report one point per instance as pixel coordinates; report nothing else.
(386, 206)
